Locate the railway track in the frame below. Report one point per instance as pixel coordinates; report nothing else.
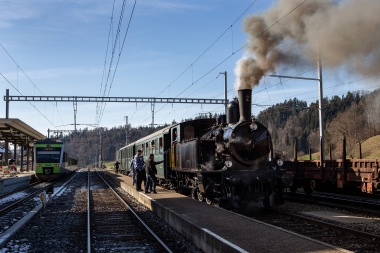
(31, 215)
(114, 225)
(360, 205)
(82, 217)
(20, 189)
(297, 216)
(14, 206)
(20, 195)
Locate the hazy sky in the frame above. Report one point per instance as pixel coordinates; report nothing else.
(173, 48)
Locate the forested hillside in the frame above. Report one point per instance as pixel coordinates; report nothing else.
(357, 116)
(90, 145)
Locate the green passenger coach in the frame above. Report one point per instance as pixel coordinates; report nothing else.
(156, 143)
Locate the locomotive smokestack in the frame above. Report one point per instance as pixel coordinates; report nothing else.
(245, 98)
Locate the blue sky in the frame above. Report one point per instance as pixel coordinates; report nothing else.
(173, 48)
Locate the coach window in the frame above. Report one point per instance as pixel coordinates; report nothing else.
(160, 144)
(152, 147)
(189, 132)
(174, 135)
(156, 150)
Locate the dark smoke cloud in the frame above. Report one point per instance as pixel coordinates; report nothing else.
(346, 33)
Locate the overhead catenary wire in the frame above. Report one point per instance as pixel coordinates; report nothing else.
(102, 108)
(30, 80)
(103, 92)
(228, 57)
(241, 48)
(105, 60)
(195, 80)
(118, 59)
(29, 102)
(224, 60)
(202, 54)
(208, 48)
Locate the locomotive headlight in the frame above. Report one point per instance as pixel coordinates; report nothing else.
(228, 164)
(253, 126)
(280, 162)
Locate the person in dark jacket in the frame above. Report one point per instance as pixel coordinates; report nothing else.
(117, 164)
(151, 172)
(138, 163)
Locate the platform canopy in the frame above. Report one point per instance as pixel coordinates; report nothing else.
(18, 132)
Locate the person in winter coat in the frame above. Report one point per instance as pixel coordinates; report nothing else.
(151, 172)
(117, 166)
(138, 163)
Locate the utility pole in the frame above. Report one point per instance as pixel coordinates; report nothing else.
(321, 112)
(225, 91)
(7, 104)
(126, 130)
(152, 108)
(75, 105)
(100, 150)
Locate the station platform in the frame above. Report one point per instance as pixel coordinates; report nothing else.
(11, 182)
(213, 229)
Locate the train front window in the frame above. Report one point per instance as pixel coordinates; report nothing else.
(48, 156)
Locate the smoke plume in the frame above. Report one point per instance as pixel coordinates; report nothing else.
(344, 33)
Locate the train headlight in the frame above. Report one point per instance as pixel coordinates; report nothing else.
(253, 126)
(228, 164)
(280, 162)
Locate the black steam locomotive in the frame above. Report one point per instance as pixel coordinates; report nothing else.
(230, 162)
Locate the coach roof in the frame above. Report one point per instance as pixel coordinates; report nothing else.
(162, 131)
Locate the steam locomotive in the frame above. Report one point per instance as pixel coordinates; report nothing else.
(230, 163)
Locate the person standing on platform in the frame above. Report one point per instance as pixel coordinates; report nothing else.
(139, 166)
(117, 166)
(151, 172)
(133, 171)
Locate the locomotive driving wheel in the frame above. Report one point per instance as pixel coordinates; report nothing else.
(196, 194)
(200, 195)
(209, 201)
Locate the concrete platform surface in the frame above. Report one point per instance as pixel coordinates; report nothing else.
(8, 184)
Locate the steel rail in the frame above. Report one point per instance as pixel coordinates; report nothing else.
(138, 217)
